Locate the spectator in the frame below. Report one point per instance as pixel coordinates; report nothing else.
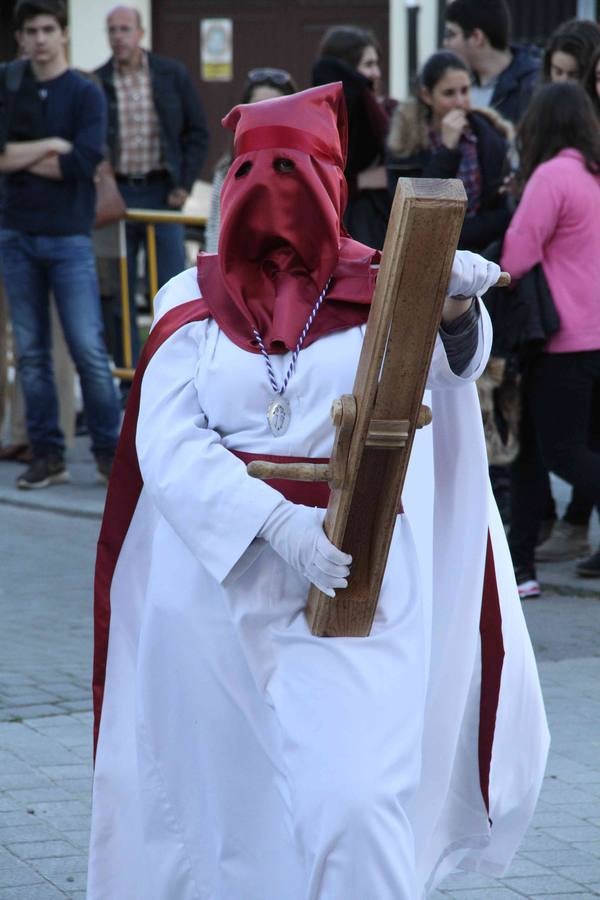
(567, 58)
(557, 224)
(13, 426)
(438, 135)
(591, 81)
(261, 84)
(48, 211)
(157, 139)
(569, 51)
(504, 74)
(351, 55)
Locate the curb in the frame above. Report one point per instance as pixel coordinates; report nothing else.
(571, 589)
(54, 508)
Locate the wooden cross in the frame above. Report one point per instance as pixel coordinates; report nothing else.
(375, 425)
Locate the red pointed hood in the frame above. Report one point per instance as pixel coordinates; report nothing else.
(282, 236)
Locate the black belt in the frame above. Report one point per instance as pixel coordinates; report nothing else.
(147, 178)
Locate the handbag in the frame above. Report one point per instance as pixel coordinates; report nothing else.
(110, 206)
(524, 317)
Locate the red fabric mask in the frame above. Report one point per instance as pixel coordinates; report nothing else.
(281, 235)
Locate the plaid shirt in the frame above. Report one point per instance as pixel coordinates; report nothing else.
(139, 130)
(468, 169)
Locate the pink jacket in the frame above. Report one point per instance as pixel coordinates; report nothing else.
(557, 223)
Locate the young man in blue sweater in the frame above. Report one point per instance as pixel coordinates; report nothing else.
(52, 130)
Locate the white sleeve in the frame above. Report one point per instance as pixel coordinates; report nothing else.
(200, 488)
(442, 377)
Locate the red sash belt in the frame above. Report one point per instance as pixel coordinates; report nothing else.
(309, 493)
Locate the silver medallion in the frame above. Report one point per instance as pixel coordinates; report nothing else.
(279, 414)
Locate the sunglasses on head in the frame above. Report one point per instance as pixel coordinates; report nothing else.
(274, 76)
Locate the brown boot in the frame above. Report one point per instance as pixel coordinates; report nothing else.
(567, 541)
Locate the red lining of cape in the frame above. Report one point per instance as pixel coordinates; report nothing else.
(123, 494)
(492, 659)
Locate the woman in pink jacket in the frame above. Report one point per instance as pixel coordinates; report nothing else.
(557, 224)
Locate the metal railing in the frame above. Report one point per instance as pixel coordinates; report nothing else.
(151, 217)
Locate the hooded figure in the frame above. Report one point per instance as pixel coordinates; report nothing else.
(282, 238)
(238, 756)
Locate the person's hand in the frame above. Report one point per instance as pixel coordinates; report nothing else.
(510, 185)
(59, 145)
(177, 197)
(452, 126)
(471, 275)
(296, 533)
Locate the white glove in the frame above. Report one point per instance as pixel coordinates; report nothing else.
(296, 533)
(471, 275)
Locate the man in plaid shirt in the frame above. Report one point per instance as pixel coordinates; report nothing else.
(157, 139)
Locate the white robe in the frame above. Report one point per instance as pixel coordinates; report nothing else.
(239, 758)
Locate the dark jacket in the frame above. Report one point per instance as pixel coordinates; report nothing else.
(524, 315)
(367, 119)
(516, 84)
(368, 209)
(183, 131)
(493, 216)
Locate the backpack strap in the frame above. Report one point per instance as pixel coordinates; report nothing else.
(11, 78)
(13, 75)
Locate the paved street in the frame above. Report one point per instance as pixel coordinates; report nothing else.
(46, 559)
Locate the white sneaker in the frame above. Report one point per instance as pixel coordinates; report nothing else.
(529, 588)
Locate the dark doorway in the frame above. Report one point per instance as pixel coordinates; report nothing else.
(534, 21)
(8, 45)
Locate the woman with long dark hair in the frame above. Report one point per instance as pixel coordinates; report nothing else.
(557, 224)
(569, 51)
(351, 55)
(439, 135)
(591, 81)
(567, 57)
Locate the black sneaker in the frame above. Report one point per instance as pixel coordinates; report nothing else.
(590, 567)
(104, 461)
(44, 471)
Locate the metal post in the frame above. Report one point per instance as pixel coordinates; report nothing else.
(125, 311)
(412, 56)
(152, 264)
(151, 218)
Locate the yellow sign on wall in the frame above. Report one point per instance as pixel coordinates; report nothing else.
(216, 49)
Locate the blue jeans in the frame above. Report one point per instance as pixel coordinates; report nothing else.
(32, 267)
(170, 248)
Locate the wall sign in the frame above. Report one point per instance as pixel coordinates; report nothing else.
(216, 49)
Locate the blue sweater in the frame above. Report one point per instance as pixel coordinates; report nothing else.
(71, 107)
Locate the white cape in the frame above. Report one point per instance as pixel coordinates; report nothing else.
(187, 802)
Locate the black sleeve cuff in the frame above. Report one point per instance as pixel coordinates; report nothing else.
(460, 338)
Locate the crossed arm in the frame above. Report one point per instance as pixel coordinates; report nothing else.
(39, 157)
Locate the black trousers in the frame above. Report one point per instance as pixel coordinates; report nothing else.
(559, 433)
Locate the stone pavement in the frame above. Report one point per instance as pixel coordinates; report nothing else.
(47, 543)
